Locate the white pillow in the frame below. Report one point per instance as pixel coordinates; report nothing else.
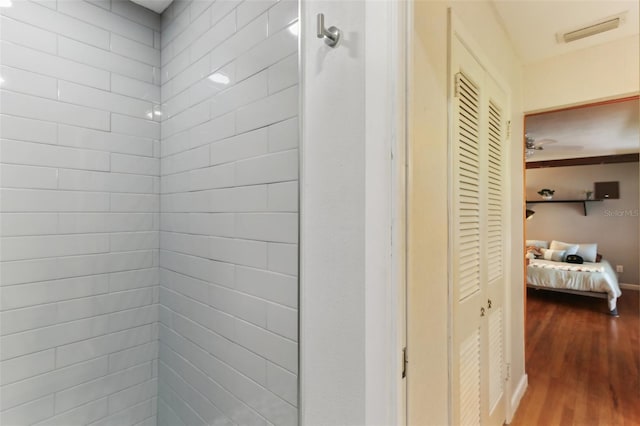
(588, 252)
(568, 247)
(537, 243)
(555, 255)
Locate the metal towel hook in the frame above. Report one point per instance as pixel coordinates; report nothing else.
(331, 35)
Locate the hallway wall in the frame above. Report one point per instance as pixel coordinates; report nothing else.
(229, 223)
(79, 202)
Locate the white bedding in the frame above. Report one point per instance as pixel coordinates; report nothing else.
(594, 277)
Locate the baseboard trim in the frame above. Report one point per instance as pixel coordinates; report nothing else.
(517, 395)
(627, 286)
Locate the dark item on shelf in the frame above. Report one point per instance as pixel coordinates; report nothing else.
(607, 190)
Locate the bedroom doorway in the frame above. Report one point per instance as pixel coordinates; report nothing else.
(582, 194)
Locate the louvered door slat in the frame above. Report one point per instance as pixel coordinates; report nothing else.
(468, 188)
(495, 194)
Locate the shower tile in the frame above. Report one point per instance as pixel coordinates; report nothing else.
(99, 388)
(273, 227)
(16, 176)
(136, 13)
(51, 382)
(102, 345)
(135, 202)
(134, 50)
(28, 83)
(27, 366)
(61, 68)
(239, 42)
(282, 383)
(135, 126)
(282, 15)
(212, 38)
(277, 349)
(80, 137)
(277, 107)
(243, 146)
(36, 200)
(213, 130)
(135, 164)
(29, 413)
(27, 35)
(283, 197)
(284, 74)
(23, 295)
(270, 168)
(48, 337)
(199, 25)
(33, 247)
(267, 52)
(47, 19)
(283, 321)
(16, 152)
(243, 93)
(283, 258)
(99, 17)
(131, 357)
(51, 110)
(187, 160)
(26, 129)
(249, 10)
(267, 285)
(81, 415)
(128, 280)
(133, 395)
(134, 241)
(135, 88)
(86, 96)
(103, 59)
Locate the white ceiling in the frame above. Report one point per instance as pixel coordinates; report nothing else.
(532, 25)
(157, 6)
(587, 132)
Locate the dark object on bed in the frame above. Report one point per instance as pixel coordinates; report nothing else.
(574, 258)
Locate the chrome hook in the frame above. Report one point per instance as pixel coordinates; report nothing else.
(331, 35)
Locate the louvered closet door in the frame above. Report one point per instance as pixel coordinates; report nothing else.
(494, 407)
(468, 189)
(477, 236)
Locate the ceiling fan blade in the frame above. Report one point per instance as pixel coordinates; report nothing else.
(542, 142)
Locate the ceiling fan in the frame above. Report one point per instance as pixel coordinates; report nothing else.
(532, 144)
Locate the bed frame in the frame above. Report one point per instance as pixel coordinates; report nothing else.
(613, 313)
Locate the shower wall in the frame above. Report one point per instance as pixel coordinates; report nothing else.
(79, 202)
(229, 222)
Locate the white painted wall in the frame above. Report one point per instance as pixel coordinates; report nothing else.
(606, 71)
(428, 237)
(79, 204)
(350, 370)
(613, 224)
(229, 224)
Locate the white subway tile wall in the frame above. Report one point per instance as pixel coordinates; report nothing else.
(80, 178)
(229, 213)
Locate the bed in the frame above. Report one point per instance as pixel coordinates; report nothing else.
(596, 279)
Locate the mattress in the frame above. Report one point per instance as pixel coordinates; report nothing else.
(588, 277)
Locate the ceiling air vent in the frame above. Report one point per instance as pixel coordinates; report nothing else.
(597, 28)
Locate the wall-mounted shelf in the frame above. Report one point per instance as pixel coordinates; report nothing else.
(583, 202)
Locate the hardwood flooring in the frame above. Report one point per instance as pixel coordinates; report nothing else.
(583, 365)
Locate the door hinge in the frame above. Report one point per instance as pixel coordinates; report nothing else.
(509, 129)
(405, 361)
(508, 372)
(456, 88)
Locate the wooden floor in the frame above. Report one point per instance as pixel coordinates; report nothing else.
(583, 365)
